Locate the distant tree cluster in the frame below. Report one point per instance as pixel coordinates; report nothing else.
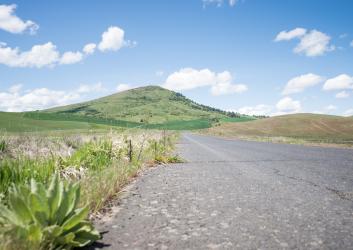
(181, 98)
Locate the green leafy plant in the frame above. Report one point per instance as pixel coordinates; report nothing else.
(92, 155)
(46, 217)
(2, 145)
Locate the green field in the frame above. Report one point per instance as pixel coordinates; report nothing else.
(18, 122)
(238, 119)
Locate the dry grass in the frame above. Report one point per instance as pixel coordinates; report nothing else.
(299, 128)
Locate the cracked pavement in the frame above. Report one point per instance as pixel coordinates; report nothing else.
(233, 194)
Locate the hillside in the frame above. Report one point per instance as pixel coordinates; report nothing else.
(311, 127)
(151, 104)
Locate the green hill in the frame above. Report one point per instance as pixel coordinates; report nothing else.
(145, 107)
(151, 104)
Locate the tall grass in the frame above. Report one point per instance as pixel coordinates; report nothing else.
(97, 161)
(100, 166)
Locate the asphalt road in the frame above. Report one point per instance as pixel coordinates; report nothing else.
(234, 194)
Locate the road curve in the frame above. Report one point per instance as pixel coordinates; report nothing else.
(233, 194)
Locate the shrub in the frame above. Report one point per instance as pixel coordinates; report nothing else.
(42, 217)
(92, 155)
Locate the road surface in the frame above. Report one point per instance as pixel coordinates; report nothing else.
(233, 194)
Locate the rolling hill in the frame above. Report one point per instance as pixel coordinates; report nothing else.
(309, 127)
(151, 104)
(145, 107)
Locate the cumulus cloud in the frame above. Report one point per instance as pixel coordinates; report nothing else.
(87, 88)
(339, 82)
(16, 100)
(112, 39)
(288, 105)
(342, 94)
(288, 35)
(71, 57)
(189, 78)
(38, 56)
(261, 109)
(13, 24)
(36, 99)
(122, 87)
(311, 43)
(44, 55)
(89, 48)
(314, 43)
(47, 55)
(224, 86)
(300, 83)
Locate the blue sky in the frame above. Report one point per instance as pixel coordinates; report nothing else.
(253, 56)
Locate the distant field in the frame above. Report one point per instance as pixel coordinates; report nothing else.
(238, 119)
(306, 127)
(170, 125)
(18, 122)
(41, 121)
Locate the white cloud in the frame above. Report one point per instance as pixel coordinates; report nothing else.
(288, 35)
(226, 88)
(40, 98)
(39, 56)
(189, 78)
(348, 112)
(112, 39)
(71, 57)
(15, 100)
(312, 43)
(261, 109)
(339, 82)
(11, 23)
(299, 83)
(47, 55)
(89, 48)
(88, 88)
(223, 85)
(288, 105)
(122, 87)
(342, 94)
